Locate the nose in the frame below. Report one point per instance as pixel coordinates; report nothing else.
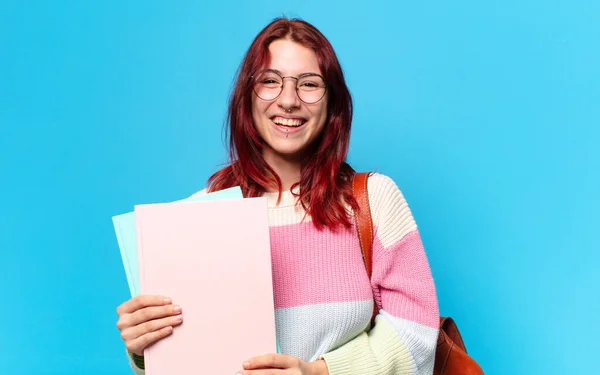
(289, 98)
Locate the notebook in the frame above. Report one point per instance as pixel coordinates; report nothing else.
(213, 258)
(126, 235)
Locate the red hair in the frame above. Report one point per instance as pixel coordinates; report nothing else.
(326, 179)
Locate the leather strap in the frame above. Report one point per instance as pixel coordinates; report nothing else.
(364, 224)
(363, 219)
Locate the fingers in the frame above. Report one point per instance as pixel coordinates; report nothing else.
(263, 372)
(272, 361)
(138, 345)
(134, 332)
(139, 302)
(146, 319)
(147, 314)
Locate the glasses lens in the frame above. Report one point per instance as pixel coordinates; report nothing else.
(311, 88)
(267, 85)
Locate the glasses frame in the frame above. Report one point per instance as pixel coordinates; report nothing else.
(303, 75)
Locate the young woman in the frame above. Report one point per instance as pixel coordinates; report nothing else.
(289, 124)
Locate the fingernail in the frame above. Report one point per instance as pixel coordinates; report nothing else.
(167, 301)
(177, 309)
(179, 318)
(246, 364)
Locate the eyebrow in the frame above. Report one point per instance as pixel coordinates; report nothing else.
(301, 75)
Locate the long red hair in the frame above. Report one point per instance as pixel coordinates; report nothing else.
(326, 179)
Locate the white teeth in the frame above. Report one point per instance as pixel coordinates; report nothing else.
(287, 122)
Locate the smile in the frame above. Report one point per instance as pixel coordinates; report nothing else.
(290, 122)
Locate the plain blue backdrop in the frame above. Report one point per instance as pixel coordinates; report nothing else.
(485, 113)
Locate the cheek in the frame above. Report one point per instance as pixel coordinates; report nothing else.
(322, 115)
(257, 112)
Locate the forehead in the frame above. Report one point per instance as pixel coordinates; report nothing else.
(291, 58)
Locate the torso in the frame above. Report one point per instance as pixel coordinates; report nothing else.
(322, 293)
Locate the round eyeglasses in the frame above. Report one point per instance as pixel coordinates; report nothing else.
(268, 85)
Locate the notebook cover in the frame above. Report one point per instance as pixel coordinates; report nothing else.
(213, 258)
(125, 231)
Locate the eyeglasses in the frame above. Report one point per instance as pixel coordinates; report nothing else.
(268, 85)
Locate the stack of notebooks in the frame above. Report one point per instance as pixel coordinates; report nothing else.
(211, 255)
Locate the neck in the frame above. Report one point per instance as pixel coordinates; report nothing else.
(288, 169)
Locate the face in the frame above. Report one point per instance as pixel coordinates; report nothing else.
(287, 124)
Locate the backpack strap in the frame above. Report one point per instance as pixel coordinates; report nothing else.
(364, 224)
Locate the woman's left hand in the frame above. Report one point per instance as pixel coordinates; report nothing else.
(280, 364)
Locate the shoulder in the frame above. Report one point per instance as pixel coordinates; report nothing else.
(391, 213)
(383, 190)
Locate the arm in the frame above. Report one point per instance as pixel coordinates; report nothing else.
(403, 339)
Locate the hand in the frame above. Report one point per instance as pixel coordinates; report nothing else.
(146, 319)
(279, 364)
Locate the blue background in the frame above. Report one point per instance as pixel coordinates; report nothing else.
(485, 113)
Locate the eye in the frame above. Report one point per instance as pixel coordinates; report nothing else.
(269, 80)
(309, 84)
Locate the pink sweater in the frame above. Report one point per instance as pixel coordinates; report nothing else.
(324, 299)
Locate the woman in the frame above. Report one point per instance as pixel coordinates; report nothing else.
(289, 124)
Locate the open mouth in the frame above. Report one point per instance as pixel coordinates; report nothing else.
(288, 122)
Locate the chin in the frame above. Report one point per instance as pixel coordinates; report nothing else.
(287, 152)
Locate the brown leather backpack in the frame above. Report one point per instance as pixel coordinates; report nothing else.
(451, 356)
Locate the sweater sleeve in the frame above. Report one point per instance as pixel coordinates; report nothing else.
(137, 363)
(404, 337)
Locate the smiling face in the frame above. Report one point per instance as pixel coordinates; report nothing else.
(286, 124)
